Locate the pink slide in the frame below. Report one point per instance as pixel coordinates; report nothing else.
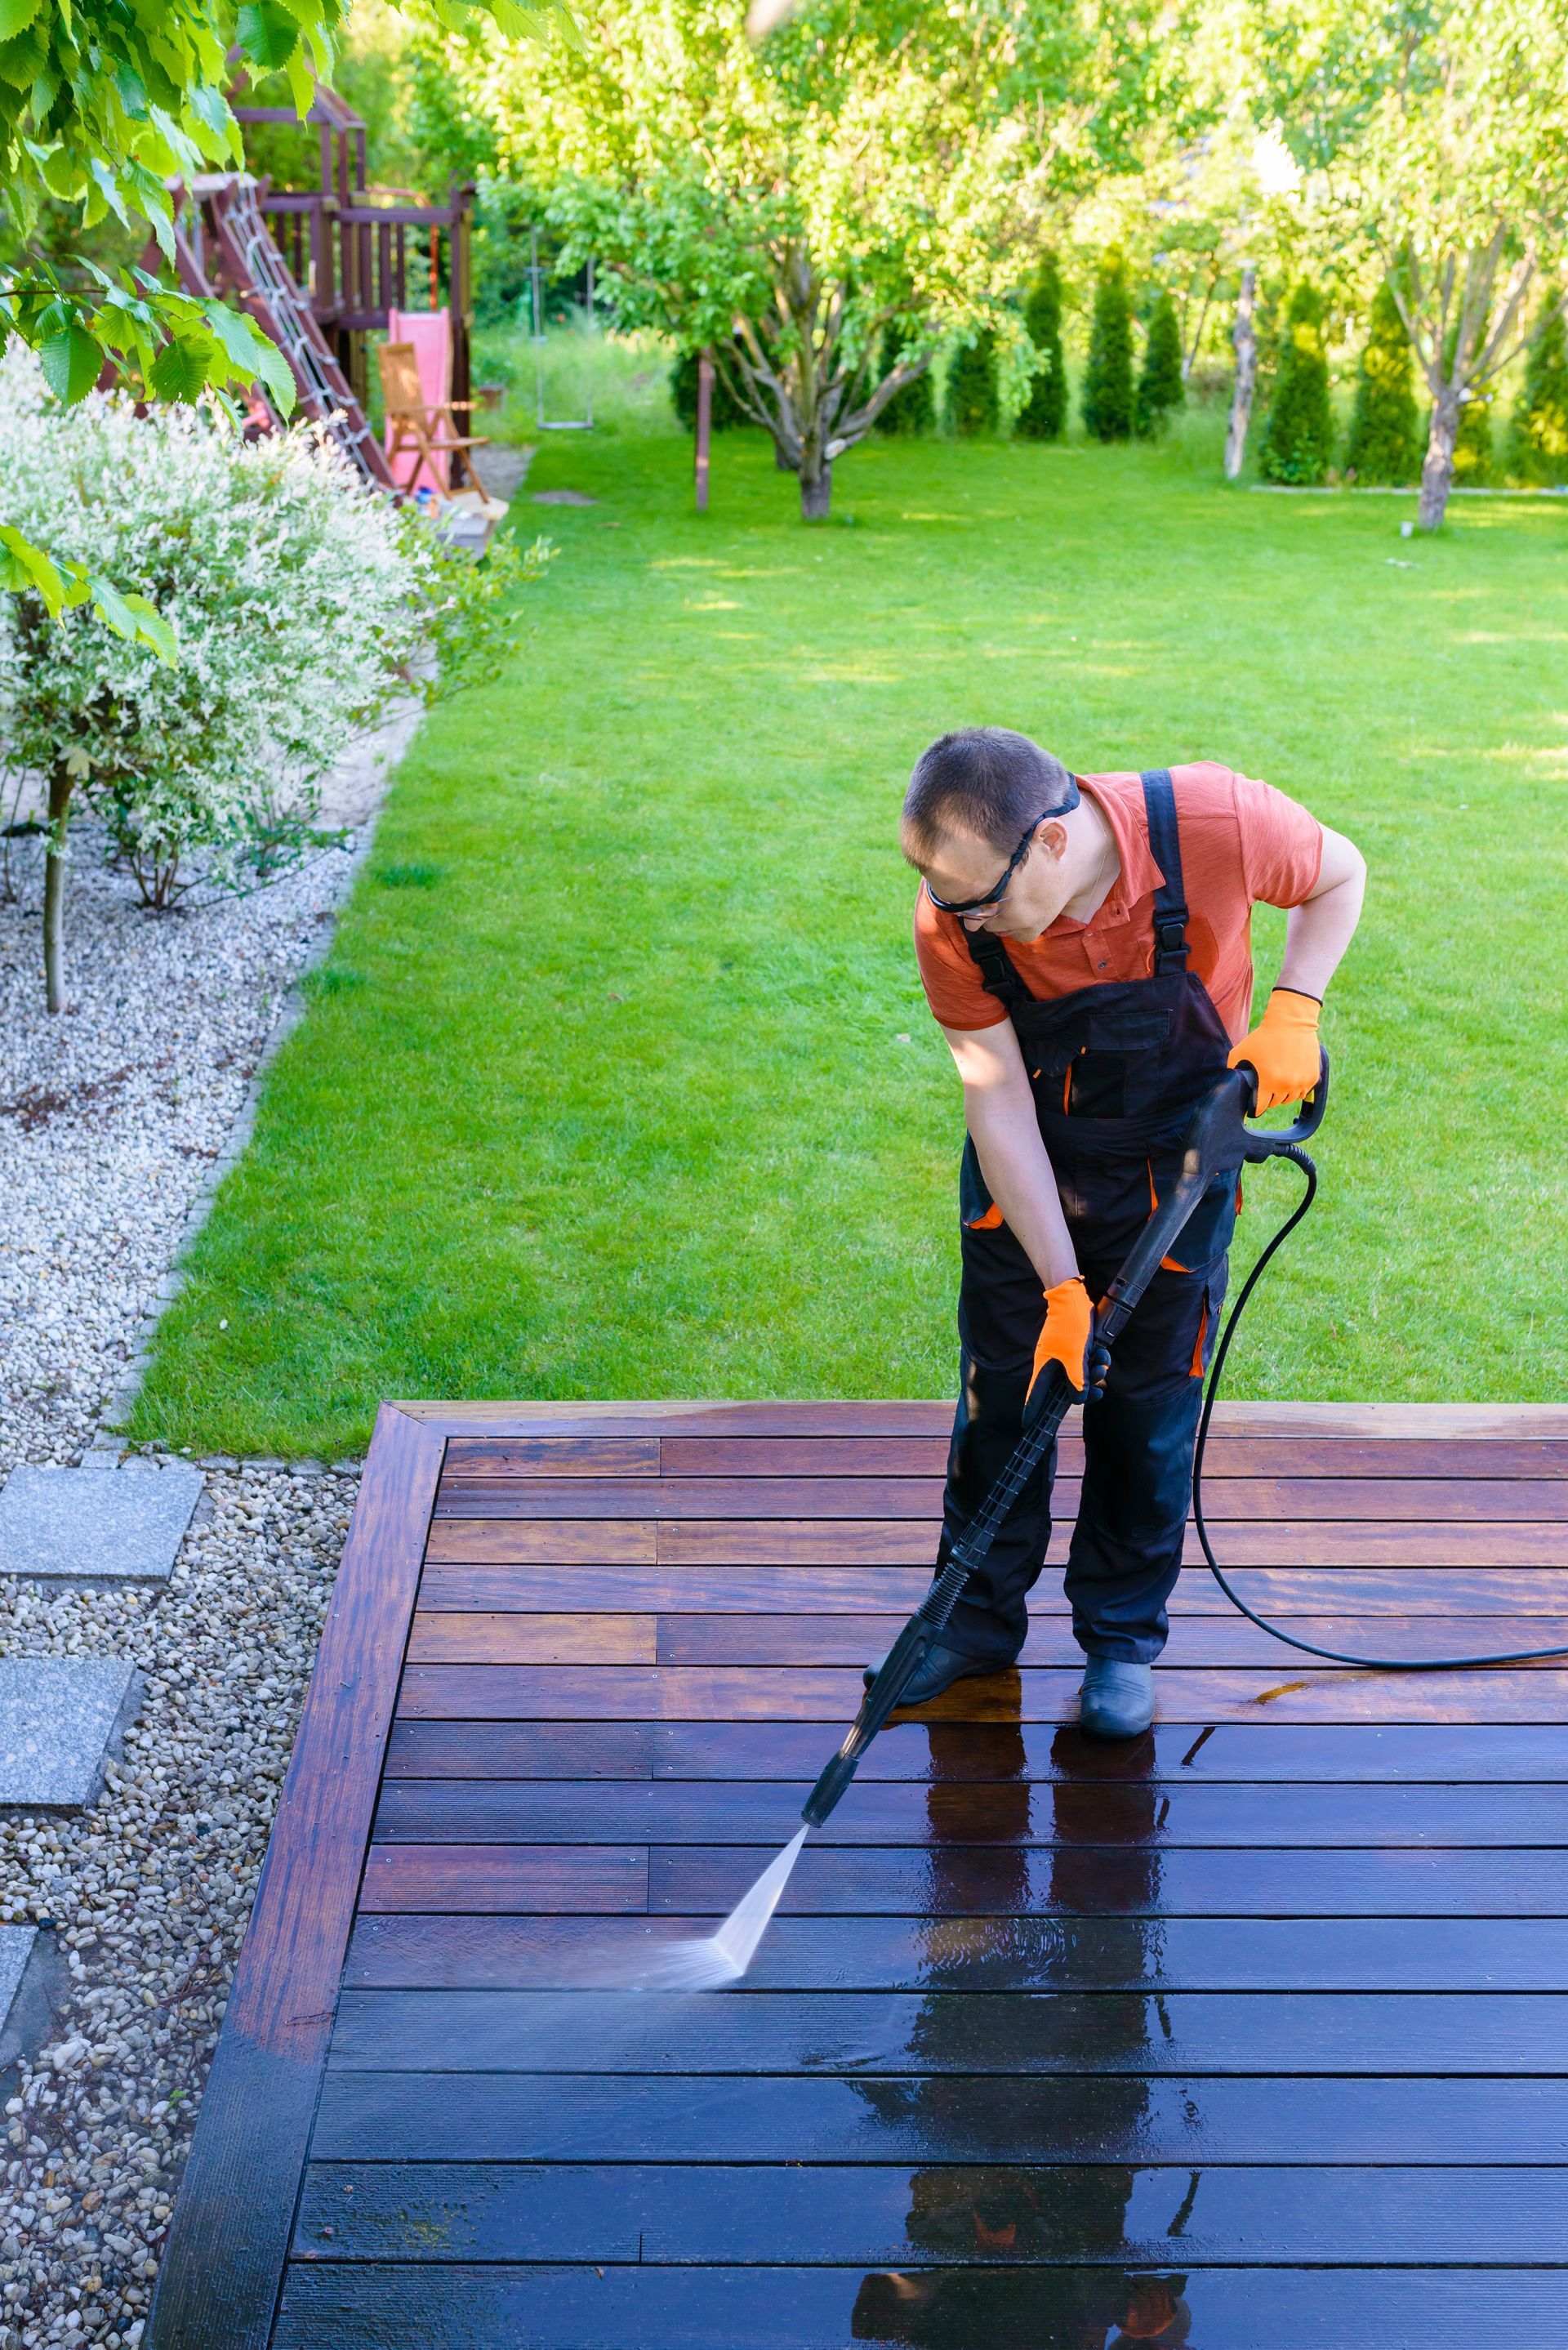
(430, 331)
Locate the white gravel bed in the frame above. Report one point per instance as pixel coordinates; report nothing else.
(149, 1891)
(112, 1111)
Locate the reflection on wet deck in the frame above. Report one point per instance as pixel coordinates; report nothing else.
(1254, 2031)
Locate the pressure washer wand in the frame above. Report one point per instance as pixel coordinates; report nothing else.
(1217, 1138)
(930, 1619)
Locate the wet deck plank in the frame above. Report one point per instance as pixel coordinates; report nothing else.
(1266, 2014)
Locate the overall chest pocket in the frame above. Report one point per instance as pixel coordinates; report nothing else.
(1117, 1069)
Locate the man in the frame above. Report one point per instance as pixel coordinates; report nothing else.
(1084, 943)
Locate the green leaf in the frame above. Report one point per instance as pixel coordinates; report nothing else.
(132, 89)
(15, 16)
(301, 80)
(183, 369)
(268, 33)
(519, 23)
(22, 61)
(71, 362)
(22, 565)
(253, 354)
(78, 589)
(152, 628)
(211, 108)
(274, 370)
(133, 617)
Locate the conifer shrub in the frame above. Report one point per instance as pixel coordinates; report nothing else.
(1108, 396)
(972, 401)
(1298, 437)
(913, 408)
(1043, 415)
(1160, 387)
(1537, 428)
(1384, 436)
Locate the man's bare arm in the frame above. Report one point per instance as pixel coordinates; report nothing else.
(1318, 932)
(999, 1110)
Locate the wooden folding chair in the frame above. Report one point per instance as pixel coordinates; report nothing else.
(431, 436)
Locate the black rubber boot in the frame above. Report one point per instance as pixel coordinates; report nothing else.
(938, 1670)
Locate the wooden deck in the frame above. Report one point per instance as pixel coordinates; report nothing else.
(1252, 2032)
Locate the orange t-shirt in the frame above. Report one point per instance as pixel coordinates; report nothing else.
(1241, 842)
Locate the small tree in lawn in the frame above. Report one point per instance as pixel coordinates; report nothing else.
(1043, 415)
(1437, 137)
(1384, 433)
(971, 391)
(913, 409)
(1298, 438)
(1160, 387)
(1537, 428)
(808, 193)
(1107, 394)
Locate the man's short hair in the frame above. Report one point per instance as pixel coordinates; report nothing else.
(983, 780)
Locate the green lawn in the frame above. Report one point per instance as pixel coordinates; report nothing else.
(619, 1081)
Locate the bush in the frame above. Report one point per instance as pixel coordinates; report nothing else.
(1538, 429)
(301, 605)
(1159, 385)
(1043, 415)
(1107, 397)
(1384, 442)
(913, 409)
(725, 411)
(1298, 438)
(973, 395)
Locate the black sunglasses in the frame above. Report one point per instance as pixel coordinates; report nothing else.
(993, 897)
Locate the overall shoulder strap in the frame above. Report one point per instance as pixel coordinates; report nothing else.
(997, 975)
(1171, 898)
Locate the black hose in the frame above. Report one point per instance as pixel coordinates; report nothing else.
(1335, 1656)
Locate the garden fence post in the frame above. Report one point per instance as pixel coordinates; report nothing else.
(704, 426)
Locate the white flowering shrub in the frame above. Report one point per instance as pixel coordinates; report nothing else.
(301, 604)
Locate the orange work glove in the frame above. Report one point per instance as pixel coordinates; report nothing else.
(1283, 1049)
(1067, 1338)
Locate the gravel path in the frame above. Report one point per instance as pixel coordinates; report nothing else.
(111, 1117)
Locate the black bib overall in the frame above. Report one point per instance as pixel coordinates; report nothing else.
(1116, 1072)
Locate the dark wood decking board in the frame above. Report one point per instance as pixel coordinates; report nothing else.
(1266, 2012)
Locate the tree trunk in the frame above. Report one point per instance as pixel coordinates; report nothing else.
(1438, 472)
(61, 781)
(1244, 335)
(816, 486)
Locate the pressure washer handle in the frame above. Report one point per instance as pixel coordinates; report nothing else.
(1269, 1142)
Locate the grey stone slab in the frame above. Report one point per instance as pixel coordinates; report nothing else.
(34, 1994)
(86, 1526)
(15, 1950)
(59, 1717)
